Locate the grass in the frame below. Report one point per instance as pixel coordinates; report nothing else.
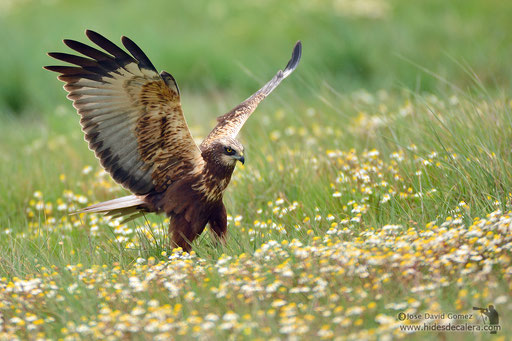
(354, 205)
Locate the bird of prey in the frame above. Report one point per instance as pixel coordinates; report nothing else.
(132, 119)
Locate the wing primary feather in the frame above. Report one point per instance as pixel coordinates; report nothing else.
(96, 71)
(66, 70)
(71, 78)
(105, 60)
(109, 46)
(294, 61)
(87, 50)
(72, 59)
(83, 83)
(86, 63)
(137, 53)
(95, 91)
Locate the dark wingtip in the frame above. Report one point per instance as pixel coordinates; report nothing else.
(57, 55)
(127, 41)
(52, 55)
(91, 34)
(137, 52)
(295, 59)
(54, 68)
(50, 67)
(71, 43)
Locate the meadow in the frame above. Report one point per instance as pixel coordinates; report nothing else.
(377, 178)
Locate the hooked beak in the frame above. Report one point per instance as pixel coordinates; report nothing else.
(241, 158)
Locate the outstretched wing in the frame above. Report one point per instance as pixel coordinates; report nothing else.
(230, 124)
(130, 114)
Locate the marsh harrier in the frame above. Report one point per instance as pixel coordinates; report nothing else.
(132, 119)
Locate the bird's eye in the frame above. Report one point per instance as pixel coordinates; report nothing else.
(229, 150)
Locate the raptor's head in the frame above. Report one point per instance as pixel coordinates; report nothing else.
(228, 151)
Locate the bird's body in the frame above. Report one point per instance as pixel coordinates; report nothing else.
(132, 119)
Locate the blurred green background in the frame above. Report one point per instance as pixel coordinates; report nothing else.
(214, 48)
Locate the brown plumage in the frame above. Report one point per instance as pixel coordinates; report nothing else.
(132, 120)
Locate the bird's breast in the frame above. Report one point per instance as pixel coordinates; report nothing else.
(211, 187)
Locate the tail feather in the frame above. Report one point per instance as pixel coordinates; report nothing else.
(128, 213)
(130, 206)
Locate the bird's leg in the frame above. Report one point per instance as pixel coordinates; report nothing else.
(219, 238)
(179, 241)
(181, 232)
(219, 225)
